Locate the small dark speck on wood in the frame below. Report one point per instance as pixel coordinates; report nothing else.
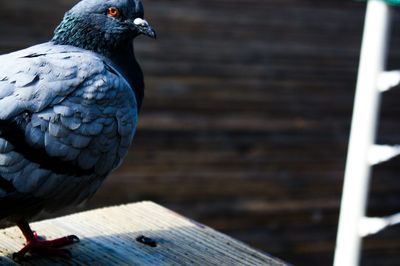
(147, 241)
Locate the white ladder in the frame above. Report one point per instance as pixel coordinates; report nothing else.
(363, 153)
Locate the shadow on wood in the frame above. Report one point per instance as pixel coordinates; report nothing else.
(136, 234)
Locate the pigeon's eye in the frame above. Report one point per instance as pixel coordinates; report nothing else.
(113, 12)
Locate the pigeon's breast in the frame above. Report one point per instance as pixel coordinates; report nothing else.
(101, 119)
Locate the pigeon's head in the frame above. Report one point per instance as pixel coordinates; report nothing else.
(103, 25)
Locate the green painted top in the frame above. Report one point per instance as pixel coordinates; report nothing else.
(390, 2)
(393, 2)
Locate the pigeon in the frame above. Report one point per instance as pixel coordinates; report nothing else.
(68, 113)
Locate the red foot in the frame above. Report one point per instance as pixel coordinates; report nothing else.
(44, 247)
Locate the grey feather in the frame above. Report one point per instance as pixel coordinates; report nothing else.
(15, 168)
(63, 110)
(24, 79)
(79, 141)
(10, 158)
(87, 159)
(34, 136)
(90, 129)
(58, 130)
(30, 178)
(73, 123)
(5, 146)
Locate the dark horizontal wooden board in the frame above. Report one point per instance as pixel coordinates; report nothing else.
(246, 118)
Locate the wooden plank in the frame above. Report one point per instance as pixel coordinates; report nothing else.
(109, 237)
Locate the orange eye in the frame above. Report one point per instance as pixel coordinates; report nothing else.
(113, 12)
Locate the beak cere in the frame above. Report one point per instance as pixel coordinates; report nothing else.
(140, 22)
(144, 28)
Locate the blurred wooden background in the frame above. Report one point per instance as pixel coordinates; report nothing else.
(246, 118)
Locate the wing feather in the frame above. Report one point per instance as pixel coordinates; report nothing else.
(64, 104)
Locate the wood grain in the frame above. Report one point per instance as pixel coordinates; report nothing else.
(110, 237)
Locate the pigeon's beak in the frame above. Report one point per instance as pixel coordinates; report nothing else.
(143, 27)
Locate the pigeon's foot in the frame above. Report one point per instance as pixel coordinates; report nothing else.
(43, 247)
(47, 248)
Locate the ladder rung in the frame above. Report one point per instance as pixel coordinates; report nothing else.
(393, 219)
(388, 80)
(373, 225)
(382, 153)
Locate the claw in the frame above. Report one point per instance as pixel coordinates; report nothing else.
(74, 239)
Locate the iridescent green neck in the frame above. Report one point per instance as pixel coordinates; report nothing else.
(79, 33)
